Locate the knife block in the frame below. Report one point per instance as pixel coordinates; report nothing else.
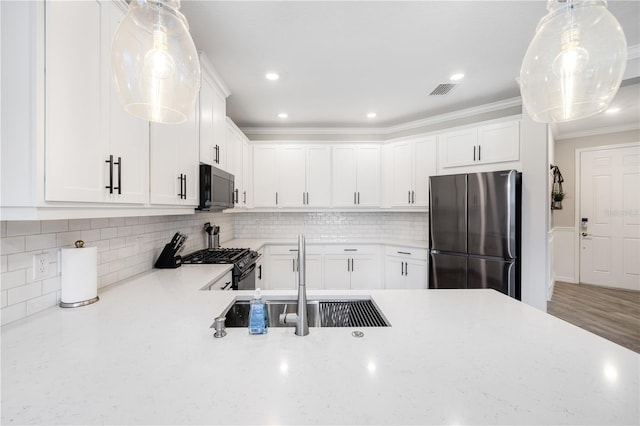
(168, 259)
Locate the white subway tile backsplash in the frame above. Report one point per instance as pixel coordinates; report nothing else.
(98, 223)
(4, 264)
(55, 226)
(108, 233)
(51, 285)
(67, 239)
(114, 222)
(13, 279)
(131, 220)
(23, 227)
(11, 313)
(3, 229)
(41, 303)
(11, 245)
(24, 292)
(3, 298)
(90, 235)
(22, 260)
(40, 241)
(79, 224)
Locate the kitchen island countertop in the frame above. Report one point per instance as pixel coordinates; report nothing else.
(145, 354)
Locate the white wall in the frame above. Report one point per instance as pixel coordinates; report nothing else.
(127, 246)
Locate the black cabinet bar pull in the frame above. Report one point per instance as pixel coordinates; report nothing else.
(354, 198)
(350, 249)
(244, 197)
(276, 198)
(237, 196)
(413, 197)
(479, 152)
(110, 186)
(406, 268)
(307, 198)
(474, 153)
(185, 187)
(409, 197)
(226, 285)
(260, 272)
(119, 187)
(404, 252)
(304, 199)
(352, 268)
(180, 179)
(401, 268)
(358, 197)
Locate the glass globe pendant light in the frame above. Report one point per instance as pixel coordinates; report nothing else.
(154, 61)
(574, 64)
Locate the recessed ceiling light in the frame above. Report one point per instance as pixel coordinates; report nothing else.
(372, 115)
(456, 76)
(283, 115)
(272, 76)
(612, 110)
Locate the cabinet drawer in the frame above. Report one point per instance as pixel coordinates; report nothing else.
(223, 283)
(407, 252)
(352, 249)
(293, 249)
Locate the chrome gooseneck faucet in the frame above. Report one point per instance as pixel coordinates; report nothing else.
(301, 318)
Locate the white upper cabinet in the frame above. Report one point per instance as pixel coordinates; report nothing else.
(318, 176)
(213, 116)
(291, 176)
(174, 163)
(413, 163)
(356, 175)
(95, 151)
(247, 175)
(265, 176)
(491, 143)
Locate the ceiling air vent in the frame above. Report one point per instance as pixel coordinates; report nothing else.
(442, 89)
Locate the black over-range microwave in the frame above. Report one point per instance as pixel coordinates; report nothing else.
(216, 188)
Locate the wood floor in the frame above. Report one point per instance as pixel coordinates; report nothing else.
(610, 313)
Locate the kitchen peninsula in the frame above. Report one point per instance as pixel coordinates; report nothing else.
(449, 357)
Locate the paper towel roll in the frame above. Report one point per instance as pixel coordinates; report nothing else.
(79, 281)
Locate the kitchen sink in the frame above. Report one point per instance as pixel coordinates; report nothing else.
(321, 313)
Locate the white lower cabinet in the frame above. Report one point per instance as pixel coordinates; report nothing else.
(223, 283)
(352, 267)
(405, 268)
(282, 268)
(343, 267)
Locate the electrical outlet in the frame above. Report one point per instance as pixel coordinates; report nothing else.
(41, 267)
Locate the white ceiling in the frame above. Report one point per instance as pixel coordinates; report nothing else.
(339, 60)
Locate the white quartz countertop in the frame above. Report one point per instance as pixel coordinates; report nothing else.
(144, 354)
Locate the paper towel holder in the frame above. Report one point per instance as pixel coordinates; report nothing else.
(79, 245)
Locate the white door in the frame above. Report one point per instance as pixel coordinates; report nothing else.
(337, 273)
(282, 272)
(610, 243)
(188, 152)
(368, 180)
(415, 274)
(424, 166)
(247, 174)
(402, 153)
(366, 272)
(314, 271)
(265, 176)
(318, 176)
(499, 142)
(75, 143)
(291, 172)
(207, 136)
(458, 148)
(394, 273)
(344, 176)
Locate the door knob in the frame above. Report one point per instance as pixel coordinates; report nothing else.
(584, 234)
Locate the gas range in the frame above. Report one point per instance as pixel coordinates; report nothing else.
(243, 260)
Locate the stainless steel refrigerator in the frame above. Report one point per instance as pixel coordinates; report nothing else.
(474, 231)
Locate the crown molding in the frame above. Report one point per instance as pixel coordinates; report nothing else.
(207, 67)
(633, 52)
(463, 113)
(598, 131)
